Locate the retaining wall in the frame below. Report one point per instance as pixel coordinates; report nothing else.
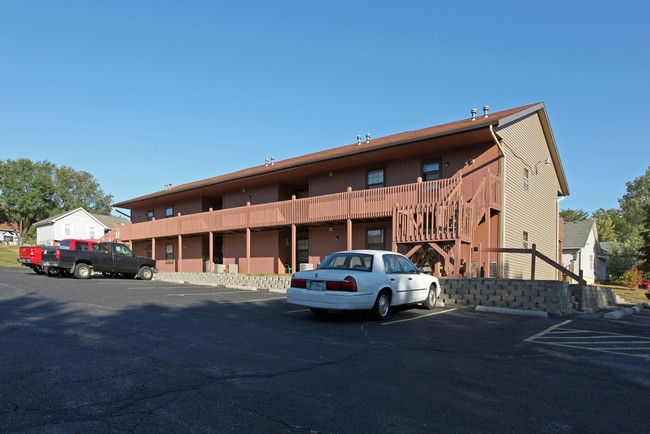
(550, 296)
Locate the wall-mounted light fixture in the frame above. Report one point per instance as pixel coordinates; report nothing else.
(546, 162)
(469, 162)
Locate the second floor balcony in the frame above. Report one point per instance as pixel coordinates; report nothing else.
(354, 205)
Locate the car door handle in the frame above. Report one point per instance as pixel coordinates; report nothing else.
(410, 278)
(392, 279)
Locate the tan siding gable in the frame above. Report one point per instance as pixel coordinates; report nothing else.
(533, 210)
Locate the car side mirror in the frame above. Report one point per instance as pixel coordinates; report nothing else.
(420, 270)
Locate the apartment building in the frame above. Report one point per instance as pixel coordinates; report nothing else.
(441, 195)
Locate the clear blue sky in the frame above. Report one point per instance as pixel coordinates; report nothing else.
(144, 93)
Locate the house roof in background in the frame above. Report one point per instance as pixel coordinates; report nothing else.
(577, 233)
(107, 221)
(6, 227)
(606, 247)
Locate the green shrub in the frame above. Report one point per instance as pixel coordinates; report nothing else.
(632, 277)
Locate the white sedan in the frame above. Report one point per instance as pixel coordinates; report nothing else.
(363, 279)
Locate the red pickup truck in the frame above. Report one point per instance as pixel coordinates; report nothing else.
(30, 256)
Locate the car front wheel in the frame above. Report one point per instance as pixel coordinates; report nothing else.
(146, 273)
(381, 309)
(432, 297)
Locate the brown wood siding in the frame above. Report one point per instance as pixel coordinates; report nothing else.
(264, 251)
(188, 206)
(533, 210)
(258, 194)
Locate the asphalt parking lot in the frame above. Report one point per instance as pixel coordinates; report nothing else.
(111, 355)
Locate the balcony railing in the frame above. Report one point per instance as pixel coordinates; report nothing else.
(361, 204)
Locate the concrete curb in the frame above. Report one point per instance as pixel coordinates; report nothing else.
(508, 311)
(620, 313)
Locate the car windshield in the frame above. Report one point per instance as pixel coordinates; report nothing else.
(347, 261)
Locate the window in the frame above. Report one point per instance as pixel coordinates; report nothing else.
(375, 239)
(391, 265)
(169, 211)
(375, 178)
(526, 178)
(150, 214)
(406, 265)
(431, 170)
(67, 229)
(169, 253)
(302, 250)
(81, 246)
(525, 240)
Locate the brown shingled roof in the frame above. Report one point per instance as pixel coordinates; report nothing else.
(348, 150)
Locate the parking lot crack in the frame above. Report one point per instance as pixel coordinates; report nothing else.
(278, 421)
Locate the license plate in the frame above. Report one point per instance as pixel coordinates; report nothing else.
(317, 285)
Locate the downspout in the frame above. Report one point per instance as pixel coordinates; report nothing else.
(502, 219)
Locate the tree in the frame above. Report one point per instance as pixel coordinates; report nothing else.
(25, 193)
(607, 222)
(32, 191)
(574, 215)
(624, 256)
(644, 251)
(74, 189)
(632, 206)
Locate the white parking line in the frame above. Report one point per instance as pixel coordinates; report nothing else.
(418, 317)
(603, 342)
(185, 294)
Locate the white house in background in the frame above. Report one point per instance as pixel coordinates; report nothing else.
(8, 235)
(581, 250)
(77, 224)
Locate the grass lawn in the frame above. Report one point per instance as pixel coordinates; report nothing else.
(8, 256)
(632, 295)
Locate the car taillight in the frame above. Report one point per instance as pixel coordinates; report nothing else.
(298, 283)
(31, 252)
(58, 254)
(347, 284)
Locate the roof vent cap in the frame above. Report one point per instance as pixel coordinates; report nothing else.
(486, 109)
(359, 139)
(367, 137)
(473, 114)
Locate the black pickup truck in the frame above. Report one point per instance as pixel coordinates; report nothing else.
(110, 259)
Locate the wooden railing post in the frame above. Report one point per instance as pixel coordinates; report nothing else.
(580, 288)
(532, 262)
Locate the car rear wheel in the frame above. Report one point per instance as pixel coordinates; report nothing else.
(82, 271)
(381, 309)
(38, 270)
(53, 272)
(146, 273)
(432, 297)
